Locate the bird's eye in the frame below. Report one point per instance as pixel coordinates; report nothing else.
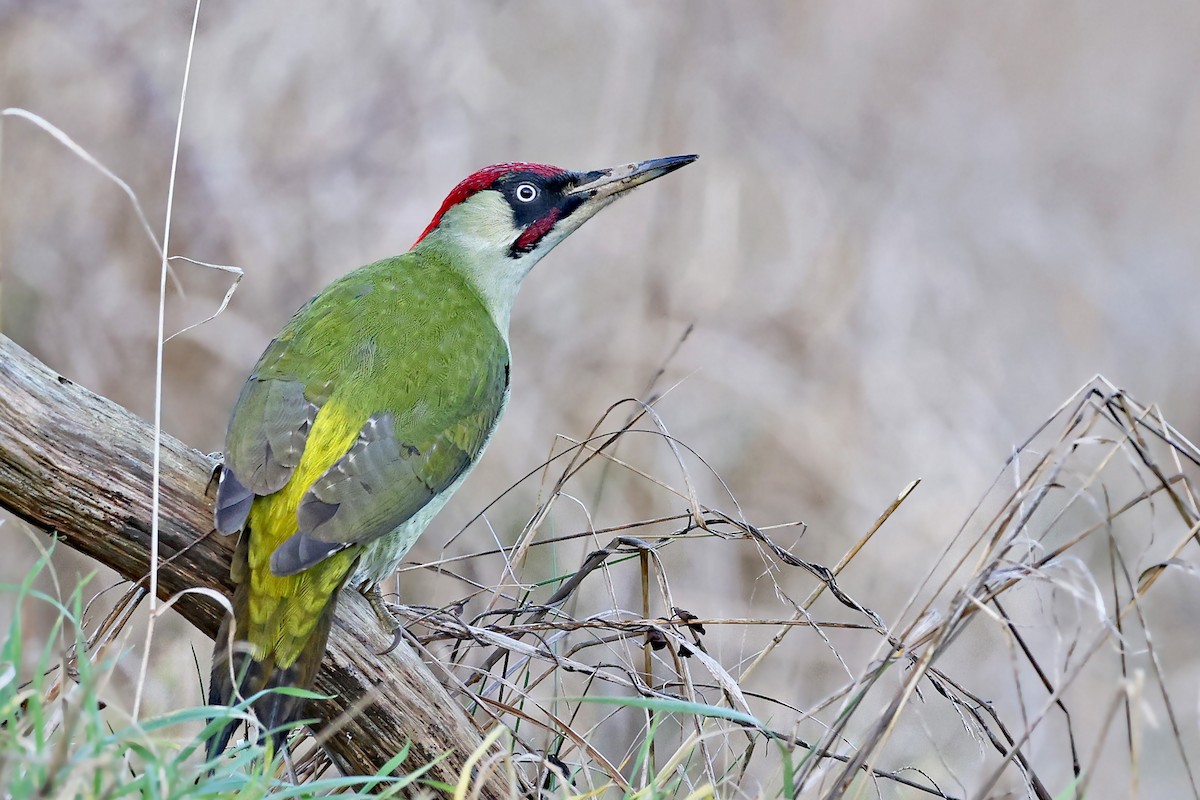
(527, 192)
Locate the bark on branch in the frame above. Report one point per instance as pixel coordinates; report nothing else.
(79, 466)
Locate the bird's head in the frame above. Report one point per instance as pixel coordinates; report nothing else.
(500, 221)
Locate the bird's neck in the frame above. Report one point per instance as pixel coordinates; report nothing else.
(471, 241)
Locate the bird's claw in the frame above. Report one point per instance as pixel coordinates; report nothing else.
(397, 635)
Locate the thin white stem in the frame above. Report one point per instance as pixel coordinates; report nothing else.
(158, 375)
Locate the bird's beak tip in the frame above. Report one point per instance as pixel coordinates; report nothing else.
(618, 180)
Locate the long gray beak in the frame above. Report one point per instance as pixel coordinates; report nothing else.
(603, 185)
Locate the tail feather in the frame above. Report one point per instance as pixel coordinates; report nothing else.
(239, 675)
(276, 712)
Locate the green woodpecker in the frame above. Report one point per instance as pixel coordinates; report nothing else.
(367, 412)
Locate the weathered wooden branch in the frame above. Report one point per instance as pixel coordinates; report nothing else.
(79, 466)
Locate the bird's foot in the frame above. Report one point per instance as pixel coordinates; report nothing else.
(385, 616)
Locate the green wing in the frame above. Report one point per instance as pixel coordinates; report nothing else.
(389, 474)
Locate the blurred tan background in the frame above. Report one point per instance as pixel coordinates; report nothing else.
(914, 230)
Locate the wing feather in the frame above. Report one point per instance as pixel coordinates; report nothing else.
(386, 476)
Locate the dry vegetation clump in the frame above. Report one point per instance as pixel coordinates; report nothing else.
(1057, 576)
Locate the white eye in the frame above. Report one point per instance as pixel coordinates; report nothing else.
(527, 192)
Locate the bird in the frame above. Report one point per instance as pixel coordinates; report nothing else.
(366, 413)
